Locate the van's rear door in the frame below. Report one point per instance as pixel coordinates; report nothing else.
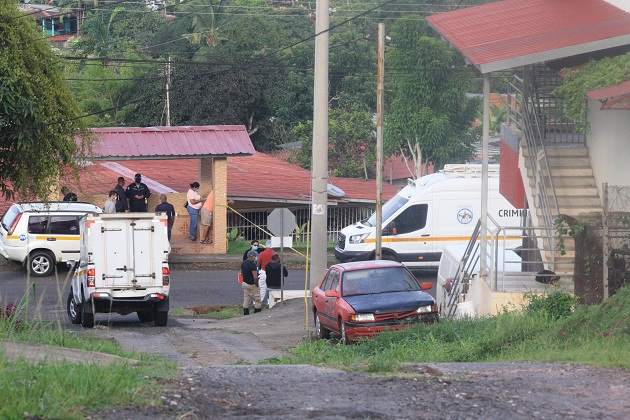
(129, 259)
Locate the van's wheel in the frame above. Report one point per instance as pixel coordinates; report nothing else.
(388, 256)
(160, 318)
(344, 334)
(87, 318)
(41, 263)
(74, 310)
(321, 332)
(145, 316)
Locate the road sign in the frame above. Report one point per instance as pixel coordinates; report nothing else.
(281, 222)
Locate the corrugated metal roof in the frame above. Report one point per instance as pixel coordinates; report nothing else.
(621, 89)
(130, 143)
(512, 33)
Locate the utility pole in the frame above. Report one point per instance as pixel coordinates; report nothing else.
(168, 84)
(379, 140)
(319, 164)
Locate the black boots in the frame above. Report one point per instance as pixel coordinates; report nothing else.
(245, 311)
(257, 310)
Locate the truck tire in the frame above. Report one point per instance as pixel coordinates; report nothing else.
(146, 316)
(160, 318)
(74, 310)
(41, 264)
(87, 318)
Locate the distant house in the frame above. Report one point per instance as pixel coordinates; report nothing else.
(58, 26)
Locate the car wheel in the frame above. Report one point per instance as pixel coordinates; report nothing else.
(388, 256)
(41, 264)
(321, 332)
(344, 335)
(87, 318)
(145, 316)
(74, 313)
(161, 318)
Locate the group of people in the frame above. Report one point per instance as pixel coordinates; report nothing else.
(261, 270)
(200, 210)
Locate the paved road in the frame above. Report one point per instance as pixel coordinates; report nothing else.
(189, 288)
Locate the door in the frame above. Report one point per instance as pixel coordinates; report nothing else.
(409, 234)
(128, 256)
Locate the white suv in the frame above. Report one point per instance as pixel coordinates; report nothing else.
(39, 234)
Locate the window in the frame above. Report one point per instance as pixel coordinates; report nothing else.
(64, 225)
(327, 281)
(334, 284)
(411, 219)
(37, 224)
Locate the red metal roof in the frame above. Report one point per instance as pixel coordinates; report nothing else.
(128, 143)
(264, 177)
(610, 92)
(512, 33)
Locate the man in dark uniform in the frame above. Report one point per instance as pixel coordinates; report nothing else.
(138, 194)
(121, 203)
(68, 195)
(166, 207)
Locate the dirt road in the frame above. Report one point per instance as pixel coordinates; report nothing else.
(210, 387)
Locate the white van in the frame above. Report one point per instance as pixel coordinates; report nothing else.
(39, 234)
(431, 212)
(123, 268)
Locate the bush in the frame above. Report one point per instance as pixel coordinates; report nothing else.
(554, 305)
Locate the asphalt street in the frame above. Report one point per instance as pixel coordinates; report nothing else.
(189, 288)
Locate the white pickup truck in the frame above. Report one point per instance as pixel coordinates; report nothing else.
(123, 268)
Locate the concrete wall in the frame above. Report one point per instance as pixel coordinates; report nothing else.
(608, 143)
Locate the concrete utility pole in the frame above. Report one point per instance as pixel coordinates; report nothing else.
(484, 174)
(319, 174)
(379, 140)
(168, 89)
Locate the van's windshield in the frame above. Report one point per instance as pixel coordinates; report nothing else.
(9, 217)
(389, 209)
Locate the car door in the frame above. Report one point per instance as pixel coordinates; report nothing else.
(409, 234)
(319, 299)
(331, 302)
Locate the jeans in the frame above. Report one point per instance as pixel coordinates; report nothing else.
(194, 216)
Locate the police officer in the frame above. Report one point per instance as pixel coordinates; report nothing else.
(138, 195)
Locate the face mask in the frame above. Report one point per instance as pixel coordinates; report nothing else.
(255, 247)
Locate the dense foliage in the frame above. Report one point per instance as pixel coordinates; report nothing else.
(38, 115)
(251, 63)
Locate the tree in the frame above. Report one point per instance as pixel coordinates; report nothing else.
(429, 114)
(39, 119)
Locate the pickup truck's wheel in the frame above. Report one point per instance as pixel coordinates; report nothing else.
(321, 332)
(161, 318)
(41, 263)
(74, 310)
(87, 318)
(145, 316)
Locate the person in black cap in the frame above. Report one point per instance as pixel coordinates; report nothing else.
(138, 195)
(251, 289)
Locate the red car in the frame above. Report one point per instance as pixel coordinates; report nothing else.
(360, 299)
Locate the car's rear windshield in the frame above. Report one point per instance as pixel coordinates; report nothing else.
(378, 280)
(10, 216)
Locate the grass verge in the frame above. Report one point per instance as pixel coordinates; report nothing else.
(543, 331)
(214, 312)
(67, 390)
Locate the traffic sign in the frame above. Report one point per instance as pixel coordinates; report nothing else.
(281, 222)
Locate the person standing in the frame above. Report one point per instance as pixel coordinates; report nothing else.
(121, 201)
(166, 207)
(251, 290)
(68, 195)
(138, 194)
(194, 201)
(274, 273)
(255, 247)
(265, 256)
(205, 217)
(110, 204)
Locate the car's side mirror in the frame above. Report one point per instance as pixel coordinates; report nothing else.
(426, 285)
(332, 293)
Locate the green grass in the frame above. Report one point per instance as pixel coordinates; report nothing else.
(596, 335)
(67, 390)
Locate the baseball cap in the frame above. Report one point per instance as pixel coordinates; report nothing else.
(252, 254)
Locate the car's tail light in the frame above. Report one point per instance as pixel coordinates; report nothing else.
(91, 278)
(166, 276)
(14, 224)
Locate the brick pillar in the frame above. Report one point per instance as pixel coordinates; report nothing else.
(220, 205)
